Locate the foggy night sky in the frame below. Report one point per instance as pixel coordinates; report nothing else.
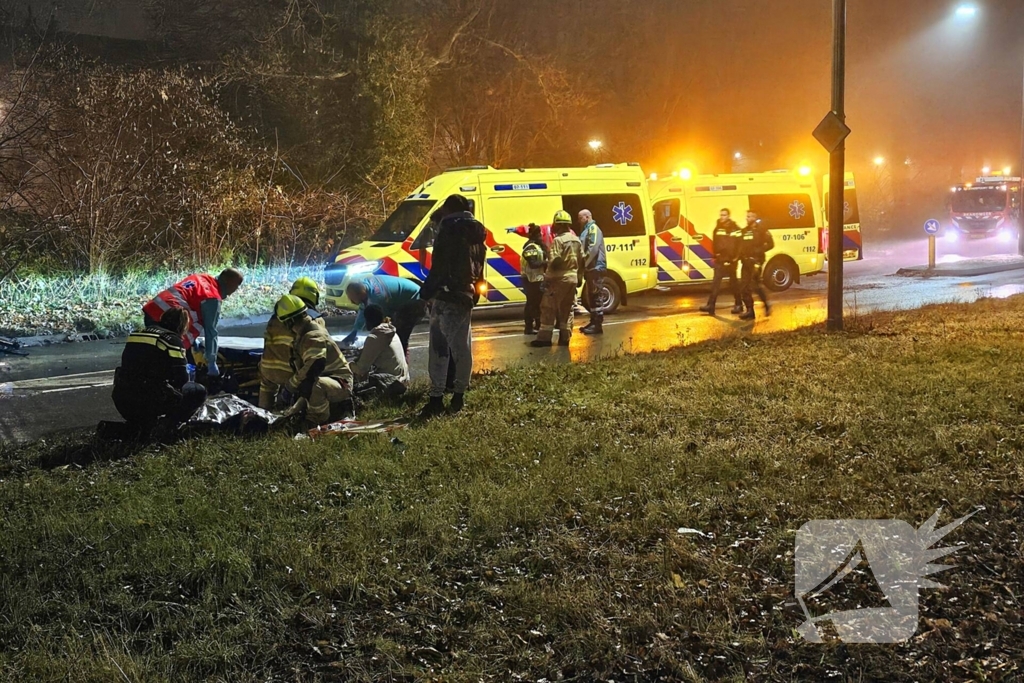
(920, 84)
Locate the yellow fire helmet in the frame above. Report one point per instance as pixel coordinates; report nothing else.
(306, 289)
(562, 217)
(289, 307)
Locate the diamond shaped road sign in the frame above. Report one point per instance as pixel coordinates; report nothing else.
(831, 132)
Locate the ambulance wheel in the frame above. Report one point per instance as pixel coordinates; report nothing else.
(780, 274)
(610, 295)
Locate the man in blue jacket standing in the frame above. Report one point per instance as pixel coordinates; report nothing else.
(595, 265)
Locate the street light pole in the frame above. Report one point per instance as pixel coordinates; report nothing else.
(837, 173)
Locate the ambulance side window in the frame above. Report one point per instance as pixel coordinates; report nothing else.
(618, 215)
(666, 215)
(426, 237)
(784, 211)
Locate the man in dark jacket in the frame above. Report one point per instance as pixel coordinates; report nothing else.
(726, 246)
(755, 242)
(453, 288)
(153, 380)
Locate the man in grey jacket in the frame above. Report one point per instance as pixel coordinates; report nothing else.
(596, 263)
(381, 364)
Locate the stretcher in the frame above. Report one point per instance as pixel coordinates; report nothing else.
(238, 359)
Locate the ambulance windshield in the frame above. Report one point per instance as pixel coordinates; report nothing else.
(403, 221)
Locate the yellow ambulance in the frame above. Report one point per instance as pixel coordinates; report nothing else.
(506, 202)
(853, 238)
(687, 210)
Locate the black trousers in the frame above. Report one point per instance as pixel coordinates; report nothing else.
(753, 283)
(406, 319)
(142, 404)
(534, 295)
(722, 271)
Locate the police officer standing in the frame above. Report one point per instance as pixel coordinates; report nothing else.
(755, 242)
(534, 262)
(726, 246)
(595, 265)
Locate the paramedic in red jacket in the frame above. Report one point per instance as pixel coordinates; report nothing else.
(201, 296)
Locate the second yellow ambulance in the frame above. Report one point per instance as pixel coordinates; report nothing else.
(686, 212)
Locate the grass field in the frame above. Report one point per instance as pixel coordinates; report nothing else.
(111, 304)
(537, 536)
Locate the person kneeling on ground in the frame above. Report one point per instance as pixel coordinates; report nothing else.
(153, 382)
(276, 366)
(322, 376)
(381, 364)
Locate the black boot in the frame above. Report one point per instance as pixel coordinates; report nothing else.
(596, 326)
(749, 315)
(708, 308)
(434, 407)
(528, 330)
(737, 309)
(457, 404)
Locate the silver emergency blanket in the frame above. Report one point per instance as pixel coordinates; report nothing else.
(232, 414)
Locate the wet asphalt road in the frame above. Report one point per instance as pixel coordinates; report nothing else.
(67, 386)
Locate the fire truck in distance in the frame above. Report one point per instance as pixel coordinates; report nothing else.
(988, 207)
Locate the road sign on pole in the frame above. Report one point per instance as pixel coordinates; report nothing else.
(931, 228)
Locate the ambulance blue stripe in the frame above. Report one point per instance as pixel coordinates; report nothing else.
(665, 276)
(697, 275)
(524, 186)
(496, 296)
(503, 268)
(702, 253)
(414, 269)
(670, 255)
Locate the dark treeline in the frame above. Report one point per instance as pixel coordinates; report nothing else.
(268, 132)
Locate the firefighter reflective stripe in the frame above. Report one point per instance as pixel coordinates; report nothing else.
(150, 339)
(283, 340)
(276, 366)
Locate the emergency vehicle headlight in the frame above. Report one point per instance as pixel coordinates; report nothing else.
(364, 268)
(686, 267)
(1005, 235)
(952, 236)
(482, 288)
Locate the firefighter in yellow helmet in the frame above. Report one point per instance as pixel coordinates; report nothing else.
(276, 367)
(561, 279)
(322, 375)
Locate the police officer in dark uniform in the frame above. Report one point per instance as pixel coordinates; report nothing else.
(726, 245)
(153, 382)
(755, 242)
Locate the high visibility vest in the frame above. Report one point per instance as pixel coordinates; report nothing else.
(189, 294)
